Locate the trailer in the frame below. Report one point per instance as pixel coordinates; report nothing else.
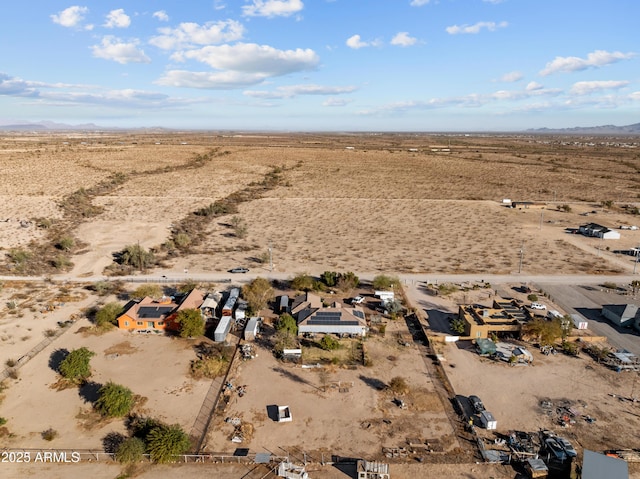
(579, 321)
(252, 329)
(220, 334)
(385, 296)
(241, 311)
(488, 421)
(227, 309)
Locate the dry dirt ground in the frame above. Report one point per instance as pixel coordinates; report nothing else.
(389, 204)
(376, 207)
(336, 410)
(153, 367)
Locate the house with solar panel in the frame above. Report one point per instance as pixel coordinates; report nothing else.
(313, 317)
(150, 315)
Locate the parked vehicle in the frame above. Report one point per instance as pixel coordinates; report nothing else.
(357, 300)
(537, 306)
(555, 449)
(239, 270)
(476, 404)
(567, 446)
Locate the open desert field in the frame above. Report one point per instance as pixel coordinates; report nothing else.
(406, 203)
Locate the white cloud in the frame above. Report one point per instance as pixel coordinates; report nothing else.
(218, 5)
(254, 58)
(190, 34)
(356, 42)
(62, 94)
(534, 86)
(71, 17)
(240, 65)
(511, 77)
(495, 2)
(419, 3)
(635, 95)
(272, 8)
(594, 59)
(292, 91)
(210, 80)
(403, 39)
(588, 87)
(114, 49)
(336, 102)
(475, 28)
(117, 19)
(161, 15)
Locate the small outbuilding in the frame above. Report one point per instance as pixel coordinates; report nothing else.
(598, 231)
(620, 314)
(252, 329)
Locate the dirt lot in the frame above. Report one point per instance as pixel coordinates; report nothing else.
(346, 409)
(153, 367)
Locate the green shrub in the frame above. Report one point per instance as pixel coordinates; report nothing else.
(329, 343)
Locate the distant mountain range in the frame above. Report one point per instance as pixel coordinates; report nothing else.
(49, 125)
(53, 126)
(592, 130)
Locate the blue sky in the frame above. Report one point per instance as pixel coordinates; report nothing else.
(322, 65)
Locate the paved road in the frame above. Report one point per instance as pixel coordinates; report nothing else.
(588, 301)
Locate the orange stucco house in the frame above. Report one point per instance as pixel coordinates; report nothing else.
(158, 315)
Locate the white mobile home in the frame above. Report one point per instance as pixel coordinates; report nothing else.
(220, 334)
(385, 296)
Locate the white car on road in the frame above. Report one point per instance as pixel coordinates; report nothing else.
(538, 306)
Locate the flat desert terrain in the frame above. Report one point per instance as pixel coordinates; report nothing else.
(388, 203)
(404, 203)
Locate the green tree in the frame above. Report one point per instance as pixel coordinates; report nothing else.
(136, 256)
(257, 294)
(165, 442)
(114, 400)
(348, 281)
(65, 243)
(329, 343)
(533, 297)
(635, 286)
(191, 323)
(384, 282)
(303, 282)
(458, 325)
(188, 286)
(130, 450)
(182, 241)
(330, 278)
(108, 314)
(287, 323)
(545, 332)
(75, 366)
(148, 289)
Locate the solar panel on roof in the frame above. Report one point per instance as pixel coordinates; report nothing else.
(324, 322)
(147, 312)
(358, 314)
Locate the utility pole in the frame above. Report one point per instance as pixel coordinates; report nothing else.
(541, 217)
(635, 263)
(270, 258)
(521, 258)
